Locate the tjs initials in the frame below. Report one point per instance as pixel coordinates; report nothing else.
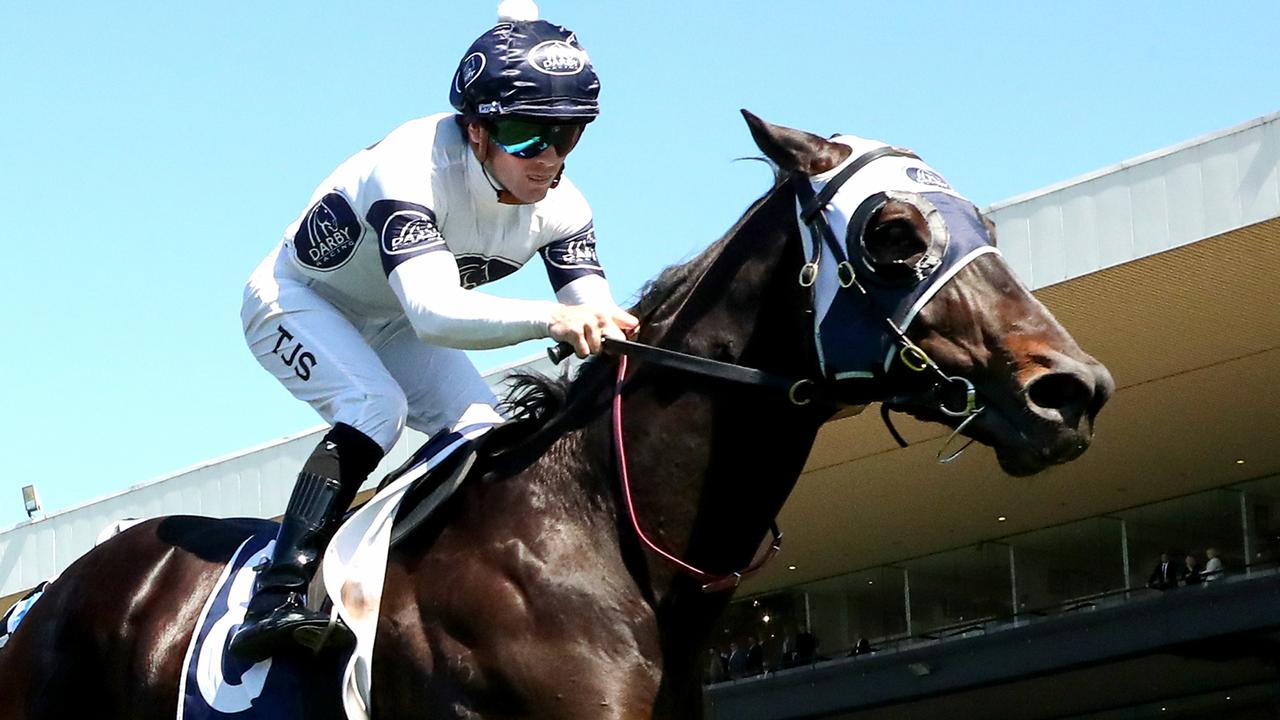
(294, 357)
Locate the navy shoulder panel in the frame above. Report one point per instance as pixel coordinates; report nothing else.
(404, 230)
(570, 258)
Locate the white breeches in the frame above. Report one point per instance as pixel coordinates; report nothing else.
(376, 376)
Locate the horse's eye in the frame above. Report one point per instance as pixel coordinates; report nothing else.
(894, 240)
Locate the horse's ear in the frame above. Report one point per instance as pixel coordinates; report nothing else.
(795, 149)
(990, 225)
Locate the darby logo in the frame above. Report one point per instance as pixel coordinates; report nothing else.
(557, 57)
(419, 231)
(927, 177)
(328, 236)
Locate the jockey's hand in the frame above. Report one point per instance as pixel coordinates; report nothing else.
(585, 326)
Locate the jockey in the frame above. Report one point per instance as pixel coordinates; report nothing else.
(364, 309)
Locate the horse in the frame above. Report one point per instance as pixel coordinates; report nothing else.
(579, 571)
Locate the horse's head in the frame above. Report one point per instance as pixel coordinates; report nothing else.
(891, 248)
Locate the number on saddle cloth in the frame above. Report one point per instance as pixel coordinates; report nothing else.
(217, 686)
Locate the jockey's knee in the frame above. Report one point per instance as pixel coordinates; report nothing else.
(381, 417)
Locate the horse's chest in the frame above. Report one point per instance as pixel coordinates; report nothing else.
(543, 619)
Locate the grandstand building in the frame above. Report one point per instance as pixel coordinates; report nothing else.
(908, 589)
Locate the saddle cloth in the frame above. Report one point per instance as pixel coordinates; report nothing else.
(216, 686)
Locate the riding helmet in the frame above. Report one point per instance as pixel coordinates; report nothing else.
(526, 67)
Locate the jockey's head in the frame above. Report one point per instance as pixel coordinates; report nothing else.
(525, 88)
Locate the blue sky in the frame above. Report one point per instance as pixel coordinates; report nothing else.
(152, 153)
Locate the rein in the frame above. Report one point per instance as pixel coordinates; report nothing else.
(711, 581)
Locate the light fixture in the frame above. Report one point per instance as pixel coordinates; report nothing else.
(1001, 518)
(791, 567)
(871, 582)
(31, 500)
(765, 619)
(1239, 461)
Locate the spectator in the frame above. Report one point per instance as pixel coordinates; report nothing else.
(1165, 574)
(755, 656)
(716, 671)
(737, 663)
(1213, 568)
(1191, 571)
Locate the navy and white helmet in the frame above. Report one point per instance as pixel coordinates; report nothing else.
(526, 67)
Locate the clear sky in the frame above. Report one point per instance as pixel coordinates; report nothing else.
(152, 153)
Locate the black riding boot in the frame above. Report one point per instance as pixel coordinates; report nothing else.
(277, 617)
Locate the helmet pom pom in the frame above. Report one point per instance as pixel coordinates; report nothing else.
(517, 11)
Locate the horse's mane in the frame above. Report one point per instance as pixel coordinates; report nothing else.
(535, 401)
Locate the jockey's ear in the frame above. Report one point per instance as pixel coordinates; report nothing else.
(478, 139)
(795, 149)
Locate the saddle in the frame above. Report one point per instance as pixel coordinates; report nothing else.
(435, 485)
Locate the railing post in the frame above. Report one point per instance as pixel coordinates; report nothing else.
(1124, 552)
(1244, 529)
(906, 594)
(1013, 586)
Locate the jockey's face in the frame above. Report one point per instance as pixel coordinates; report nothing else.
(526, 180)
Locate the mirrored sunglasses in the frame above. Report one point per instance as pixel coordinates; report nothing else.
(526, 139)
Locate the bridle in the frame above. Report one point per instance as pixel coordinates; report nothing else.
(801, 391)
(911, 356)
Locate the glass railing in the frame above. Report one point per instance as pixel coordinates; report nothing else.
(1006, 582)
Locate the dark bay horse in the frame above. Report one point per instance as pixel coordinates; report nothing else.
(530, 594)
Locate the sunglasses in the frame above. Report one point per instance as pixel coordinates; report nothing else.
(525, 139)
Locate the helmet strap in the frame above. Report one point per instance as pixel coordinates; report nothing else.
(481, 149)
(555, 182)
(504, 196)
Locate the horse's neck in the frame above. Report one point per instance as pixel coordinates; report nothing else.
(712, 462)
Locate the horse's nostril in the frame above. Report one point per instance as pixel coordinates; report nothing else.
(1059, 391)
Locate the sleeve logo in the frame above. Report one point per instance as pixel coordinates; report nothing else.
(328, 235)
(404, 229)
(578, 251)
(410, 231)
